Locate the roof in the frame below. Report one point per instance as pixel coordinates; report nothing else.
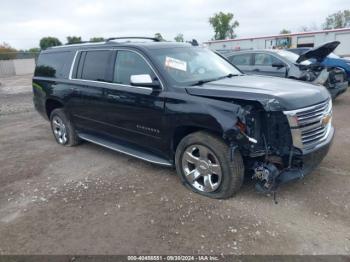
(143, 44)
(282, 35)
(271, 51)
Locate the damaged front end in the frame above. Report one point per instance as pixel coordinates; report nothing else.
(286, 145)
(333, 78)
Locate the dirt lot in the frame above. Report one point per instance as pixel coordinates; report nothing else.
(91, 200)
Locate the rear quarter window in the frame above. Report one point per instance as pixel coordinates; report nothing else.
(55, 64)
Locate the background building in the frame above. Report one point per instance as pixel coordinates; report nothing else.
(304, 39)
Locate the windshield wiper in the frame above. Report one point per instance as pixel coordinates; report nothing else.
(231, 75)
(201, 82)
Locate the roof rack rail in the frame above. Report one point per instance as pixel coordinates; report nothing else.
(77, 43)
(133, 37)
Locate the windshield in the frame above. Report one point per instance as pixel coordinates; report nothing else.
(190, 65)
(292, 57)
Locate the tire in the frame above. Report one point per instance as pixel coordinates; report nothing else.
(197, 158)
(63, 129)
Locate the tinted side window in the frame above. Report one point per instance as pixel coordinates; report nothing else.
(243, 59)
(96, 65)
(265, 60)
(129, 63)
(55, 64)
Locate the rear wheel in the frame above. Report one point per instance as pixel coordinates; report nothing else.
(204, 165)
(62, 128)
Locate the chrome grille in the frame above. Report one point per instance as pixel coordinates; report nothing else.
(311, 125)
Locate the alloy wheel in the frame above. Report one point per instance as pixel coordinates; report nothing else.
(59, 130)
(201, 168)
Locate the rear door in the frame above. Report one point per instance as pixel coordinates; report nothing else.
(263, 62)
(242, 61)
(92, 73)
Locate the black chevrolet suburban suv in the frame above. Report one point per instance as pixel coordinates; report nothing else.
(184, 106)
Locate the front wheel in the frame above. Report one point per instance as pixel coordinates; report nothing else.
(204, 165)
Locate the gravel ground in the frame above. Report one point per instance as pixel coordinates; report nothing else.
(91, 200)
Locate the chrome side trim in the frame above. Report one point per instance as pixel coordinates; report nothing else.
(82, 136)
(111, 84)
(72, 65)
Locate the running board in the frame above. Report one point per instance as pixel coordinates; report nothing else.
(126, 149)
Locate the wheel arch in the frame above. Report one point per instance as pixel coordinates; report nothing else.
(51, 104)
(182, 131)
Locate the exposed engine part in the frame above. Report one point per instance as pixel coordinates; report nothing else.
(266, 175)
(250, 139)
(276, 160)
(322, 77)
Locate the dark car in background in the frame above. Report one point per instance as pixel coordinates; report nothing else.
(332, 60)
(282, 63)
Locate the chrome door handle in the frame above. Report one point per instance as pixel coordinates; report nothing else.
(113, 96)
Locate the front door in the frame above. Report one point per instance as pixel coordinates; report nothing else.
(263, 65)
(242, 61)
(134, 113)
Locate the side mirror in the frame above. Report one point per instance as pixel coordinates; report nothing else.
(144, 80)
(278, 65)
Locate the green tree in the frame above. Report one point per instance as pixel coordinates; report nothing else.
(311, 27)
(304, 28)
(285, 31)
(34, 50)
(339, 19)
(73, 40)
(49, 41)
(179, 38)
(7, 52)
(97, 39)
(158, 36)
(223, 25)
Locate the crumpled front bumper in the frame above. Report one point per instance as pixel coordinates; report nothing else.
(310, 161)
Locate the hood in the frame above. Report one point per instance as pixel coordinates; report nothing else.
(319, 53)
(274, 93)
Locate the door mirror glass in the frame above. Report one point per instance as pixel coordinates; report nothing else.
(143, 80)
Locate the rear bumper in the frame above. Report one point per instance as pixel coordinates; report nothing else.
(310, 161)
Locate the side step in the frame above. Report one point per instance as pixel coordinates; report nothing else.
(126, 149)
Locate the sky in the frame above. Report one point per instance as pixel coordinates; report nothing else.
(23, 23)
